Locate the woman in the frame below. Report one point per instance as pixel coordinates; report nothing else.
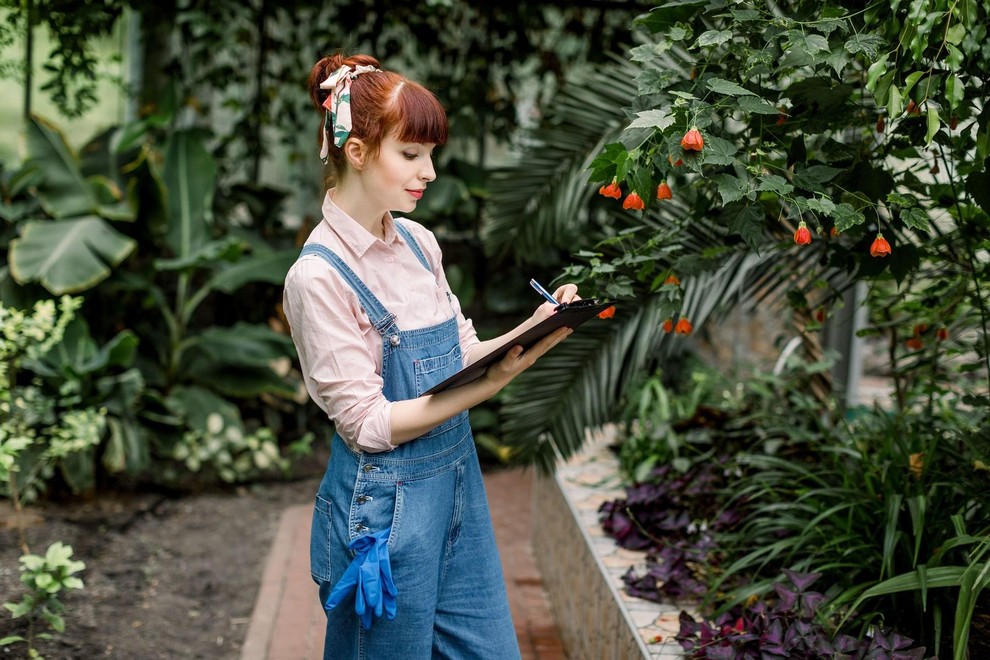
(401, 534)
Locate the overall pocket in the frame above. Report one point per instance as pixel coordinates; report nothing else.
(319, 542)
(433, 370)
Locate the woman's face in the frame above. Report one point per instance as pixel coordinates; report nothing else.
(398, 175)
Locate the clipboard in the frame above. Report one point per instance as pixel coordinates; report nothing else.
(570, 315)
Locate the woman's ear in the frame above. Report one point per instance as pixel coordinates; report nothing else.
(356, 152)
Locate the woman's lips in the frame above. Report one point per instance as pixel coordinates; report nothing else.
(415, 193)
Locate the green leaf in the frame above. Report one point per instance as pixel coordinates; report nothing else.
(657, 119)
(774, 183)
(67, 256)
(728, 88)
(846, 216)
(873, 74)
(955, 91)
(915, 218)
(911, 81)
(714, 37)
(895, 106)
(756, 105)
(748, 224)
(718, 151)
(933, 124)
(812, 178)
(730, 187)
(269, 268)
(978, 186)
(63, 191)
(189, 178)
(869, 44)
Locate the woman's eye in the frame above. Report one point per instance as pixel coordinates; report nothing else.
(409, 156)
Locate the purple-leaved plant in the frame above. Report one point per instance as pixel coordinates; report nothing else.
(785, 626)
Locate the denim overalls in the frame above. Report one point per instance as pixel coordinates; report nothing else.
(451, 600)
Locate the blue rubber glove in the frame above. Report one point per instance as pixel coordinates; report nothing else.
(369, 576)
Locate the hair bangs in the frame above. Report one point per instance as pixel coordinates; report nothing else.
(420, 117)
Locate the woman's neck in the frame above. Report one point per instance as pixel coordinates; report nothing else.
(352, 200)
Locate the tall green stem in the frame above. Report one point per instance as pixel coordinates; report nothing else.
(28, 56)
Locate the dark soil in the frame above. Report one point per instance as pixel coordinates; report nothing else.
(167, 576)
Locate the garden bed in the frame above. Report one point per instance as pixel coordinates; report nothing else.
(582, 568)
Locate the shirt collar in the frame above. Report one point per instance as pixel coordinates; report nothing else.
(356, 237)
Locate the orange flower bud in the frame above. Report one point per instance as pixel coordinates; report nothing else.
(916, 464)
(942, 334)
(633, 201)
(803, 235)
(692, 140)
(833, 232)
(914, 343)
(611, 190)
(683, 327)
(881, 124)
(912, 108)
(663, 191)
(668, 325)
(607, 313)
(782, 117)
(920, 328)
(953, 122)
(820, 314)
(880, 247)
(672, 279)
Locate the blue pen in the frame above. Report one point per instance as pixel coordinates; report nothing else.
(543, 292)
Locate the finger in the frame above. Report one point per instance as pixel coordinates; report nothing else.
(545, 344)
(567, 293)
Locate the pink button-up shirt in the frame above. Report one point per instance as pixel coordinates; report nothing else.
(339, 349)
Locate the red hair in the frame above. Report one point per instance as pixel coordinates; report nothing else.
(382, 103)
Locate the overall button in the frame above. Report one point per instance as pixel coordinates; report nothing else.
(359, 528)
(368, 467)
(361, 499)
(394, 340)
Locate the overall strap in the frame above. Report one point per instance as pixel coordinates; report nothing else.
(380, 317)
(408, 238)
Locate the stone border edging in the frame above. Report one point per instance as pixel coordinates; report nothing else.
(582, 568)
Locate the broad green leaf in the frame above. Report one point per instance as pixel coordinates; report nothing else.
(657, 119)
(821, 205)
(895, 106)
(812, 178)
(243, 344)
(189, 177)
(718, 151)
(714, 37)
(933, 124)
(63, 190)
(915, 218)
(67, 256)
(873, 74)
(869, 44)
(748, 224)
(756, 105)
(774, 183)
(955, 91)
(731, 188)
(846, 216)
(911, 81)
(270, 268)
(728, 88)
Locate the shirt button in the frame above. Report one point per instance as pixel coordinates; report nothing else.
(390, 260)
(394, 340)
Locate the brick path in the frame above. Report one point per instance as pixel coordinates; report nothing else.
(287, 622)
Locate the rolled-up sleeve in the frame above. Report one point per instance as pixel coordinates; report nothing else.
(340, 375)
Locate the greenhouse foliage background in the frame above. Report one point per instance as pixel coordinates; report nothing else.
(690, 160)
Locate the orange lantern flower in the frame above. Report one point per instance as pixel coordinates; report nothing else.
(607, 313)
(942, 334)
(820, 314)
(880, 124)
(803, 235)
(611, 190)
(880, 247)
(833, 232)
(672, 279)
(668, 325)
(683, 327)
(916, 464)
(663, 191)
(692, 140)
(633, 201)
(914, 343)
